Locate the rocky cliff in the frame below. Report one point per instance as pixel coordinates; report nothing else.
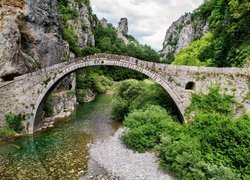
(29, 37)
(183, 31)
(32, 37)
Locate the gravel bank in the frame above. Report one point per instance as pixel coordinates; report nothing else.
(123, 163)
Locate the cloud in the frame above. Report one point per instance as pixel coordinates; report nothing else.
(148, 19)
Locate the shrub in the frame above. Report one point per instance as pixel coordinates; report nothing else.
(145, 127)
(6, 133)
(14, 121)
(218, 143)
(119, 108)
(69, 35)
(136, 94)
(212, 103)
(48, 106)
(80, 94)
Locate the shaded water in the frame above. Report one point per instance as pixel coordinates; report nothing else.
(61, 153)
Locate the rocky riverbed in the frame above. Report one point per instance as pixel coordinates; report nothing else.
(115, 161)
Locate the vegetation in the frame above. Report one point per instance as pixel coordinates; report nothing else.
(6, 133)
(145, 127)
(69, 35)
(214, 146)
(191, 55)
(107, 41)
(229, 39)
(13, 126)
(130, 95)
(91, 78)
(213, 103)
(14, 121)
(48, 106)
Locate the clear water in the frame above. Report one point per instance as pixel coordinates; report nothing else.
(61, 153)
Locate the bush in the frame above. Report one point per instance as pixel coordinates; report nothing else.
(212, 103)
(91, 79)
(145, 127)
(214, 146)
(119, 108)
(69, 35)
(218, 143)
(48, 106)
(14, 121)
(136, 94)
(80, 93)
(6, 133)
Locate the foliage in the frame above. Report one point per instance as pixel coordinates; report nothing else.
(14, 121)
(129, 95)
(89, 50)
(48, 106)
(214, 146)
(6, 133)
(121, 73)
(228, 22)
(91, 78)
(107, 41)
(191, 55)
(248, 83)
(212, 103)
(80, 93)
(145, 127)
(67, 13)
(69, 35)
(120, 108)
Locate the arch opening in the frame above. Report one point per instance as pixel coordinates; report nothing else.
(190, 86)
(107, 62)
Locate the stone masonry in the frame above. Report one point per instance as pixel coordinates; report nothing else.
(25, 93)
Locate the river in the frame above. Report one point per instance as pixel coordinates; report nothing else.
(62, 152)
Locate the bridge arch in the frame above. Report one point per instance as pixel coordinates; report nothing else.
(79, 63)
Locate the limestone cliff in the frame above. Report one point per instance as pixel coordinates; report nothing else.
(183, 31)
(82, 24)
(31, 37)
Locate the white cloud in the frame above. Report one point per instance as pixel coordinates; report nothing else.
(148, 19)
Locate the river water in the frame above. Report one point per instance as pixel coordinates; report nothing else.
(62, 152)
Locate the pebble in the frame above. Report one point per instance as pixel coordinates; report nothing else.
(123, 163)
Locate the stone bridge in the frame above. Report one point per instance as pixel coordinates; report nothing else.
(25, 93)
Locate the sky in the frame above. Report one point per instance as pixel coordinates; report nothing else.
(148, 20)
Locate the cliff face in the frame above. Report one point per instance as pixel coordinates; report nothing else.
(82, 25)
(30, 35)
(181, 33)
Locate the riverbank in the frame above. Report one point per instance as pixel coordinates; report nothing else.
(123, 163)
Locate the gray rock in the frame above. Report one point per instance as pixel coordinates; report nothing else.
(104, 22)
(123, 163)
(123, 25)
(182, 32)
(30, 35)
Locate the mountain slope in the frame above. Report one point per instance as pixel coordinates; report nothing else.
(228, 21)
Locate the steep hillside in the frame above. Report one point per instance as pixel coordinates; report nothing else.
(227, 44)
(181, 33)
